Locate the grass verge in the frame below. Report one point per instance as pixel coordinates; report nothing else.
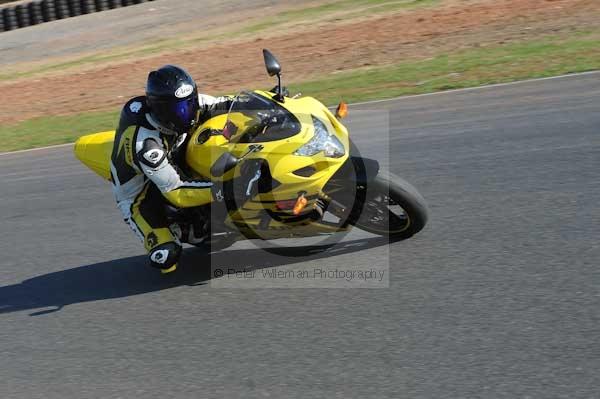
(40, 132)
(469, 68)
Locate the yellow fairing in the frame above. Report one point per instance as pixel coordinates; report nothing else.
(202, 152)
(94, 151)
(189, 197)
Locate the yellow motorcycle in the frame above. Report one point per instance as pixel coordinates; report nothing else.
(308, 177)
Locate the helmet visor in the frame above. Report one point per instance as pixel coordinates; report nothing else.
(179, 115)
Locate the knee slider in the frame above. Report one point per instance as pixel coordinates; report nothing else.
(165, 255)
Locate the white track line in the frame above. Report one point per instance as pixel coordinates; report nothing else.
(389, 99)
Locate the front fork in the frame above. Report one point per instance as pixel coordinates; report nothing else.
(346, 202)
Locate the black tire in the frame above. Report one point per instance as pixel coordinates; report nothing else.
(391, 190)
(217, 244)
(35, 12)
(303, 251)
(114, 3)
(22, 15)
(74, 8)
(87, 6)
(1, 23)
(10, 18)
(101, 5)
(62, 9)
(126, 3)
(213, 247)
(48, 10)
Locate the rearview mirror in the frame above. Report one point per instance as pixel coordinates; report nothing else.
(224, 164)
(273, 67)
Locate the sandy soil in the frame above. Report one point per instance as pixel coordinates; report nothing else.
(307, 51)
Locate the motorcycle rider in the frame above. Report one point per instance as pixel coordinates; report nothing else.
(144, 173)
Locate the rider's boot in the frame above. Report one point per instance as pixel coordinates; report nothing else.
(165, 257)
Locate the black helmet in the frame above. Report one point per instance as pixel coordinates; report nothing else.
(172, 96)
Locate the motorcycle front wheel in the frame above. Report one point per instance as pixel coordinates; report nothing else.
(391, 207)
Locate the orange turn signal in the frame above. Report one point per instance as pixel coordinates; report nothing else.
(341, 111)
(300, 204)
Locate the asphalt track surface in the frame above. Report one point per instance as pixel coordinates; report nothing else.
(497, 298)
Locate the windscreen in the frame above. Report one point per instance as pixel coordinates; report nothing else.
(254, 118)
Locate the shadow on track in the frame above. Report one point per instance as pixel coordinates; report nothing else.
(132, 276)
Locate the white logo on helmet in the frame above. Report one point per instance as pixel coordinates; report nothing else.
(160, 256)
(184, 91)
(135, 107)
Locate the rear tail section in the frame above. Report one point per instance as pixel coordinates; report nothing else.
(94, 151)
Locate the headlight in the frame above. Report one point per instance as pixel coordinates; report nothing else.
(322, 141)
